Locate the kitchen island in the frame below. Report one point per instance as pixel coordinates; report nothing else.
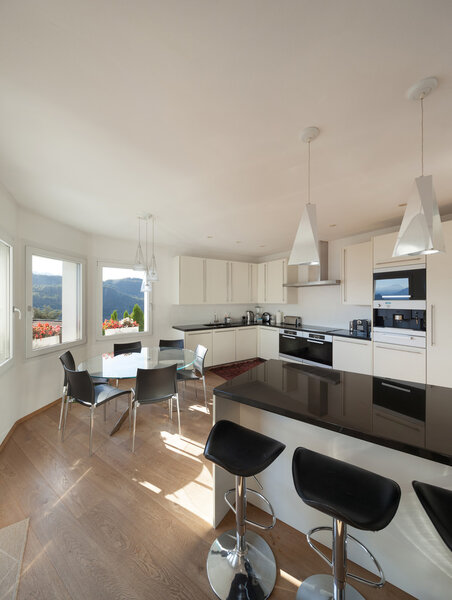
(398, 429)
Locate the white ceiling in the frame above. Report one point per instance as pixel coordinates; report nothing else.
(191, 109)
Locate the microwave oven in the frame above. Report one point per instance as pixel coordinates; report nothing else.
(397, 288)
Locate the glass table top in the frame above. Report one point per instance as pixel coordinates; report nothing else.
(124, 366)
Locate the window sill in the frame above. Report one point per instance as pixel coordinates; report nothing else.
(121, 336)
(57, 348)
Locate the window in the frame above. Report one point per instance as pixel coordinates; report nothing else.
(124, 308)
(55, 301)
(6, 309)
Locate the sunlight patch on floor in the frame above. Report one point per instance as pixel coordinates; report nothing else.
(196, 497)
(72, 487)
(149, 486)
(289, 578)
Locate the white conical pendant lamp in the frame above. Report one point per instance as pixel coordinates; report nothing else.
(421, 231)
(305, 249)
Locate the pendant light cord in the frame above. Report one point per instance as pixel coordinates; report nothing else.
(422, 135)
(309, 172)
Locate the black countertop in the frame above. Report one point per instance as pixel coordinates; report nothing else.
(409, 417)
(312, 328)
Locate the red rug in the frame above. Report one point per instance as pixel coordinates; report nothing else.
(234, 369)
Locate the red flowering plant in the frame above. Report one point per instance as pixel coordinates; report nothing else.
(45, 330)
(114, 324)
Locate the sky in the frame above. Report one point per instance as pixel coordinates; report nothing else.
(120, 273)
(47, 266)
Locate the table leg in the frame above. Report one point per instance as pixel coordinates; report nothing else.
(120, 421)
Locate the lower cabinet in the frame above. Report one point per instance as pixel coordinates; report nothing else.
(399, 362)
(352, 355)
(223, 346)
(268, 343)
(193, 338)
(245, 343)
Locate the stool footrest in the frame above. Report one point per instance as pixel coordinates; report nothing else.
(378, 584)
(249, 521)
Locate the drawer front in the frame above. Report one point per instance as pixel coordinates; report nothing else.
(399, 362)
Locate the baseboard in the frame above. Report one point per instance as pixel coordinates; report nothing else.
(23, 419)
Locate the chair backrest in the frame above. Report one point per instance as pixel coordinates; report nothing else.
(200, 355)
(171, 344)
(156, 384)
(126, 348)
(81, 386)
(67, 360)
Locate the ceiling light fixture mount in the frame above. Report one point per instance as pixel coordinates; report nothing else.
(305, 249)
(421, 230)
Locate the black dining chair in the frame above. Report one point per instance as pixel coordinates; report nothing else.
(83, 391)
(197, 373)
(126, 348)
(152, 386)
(171, 344)
(67, 360)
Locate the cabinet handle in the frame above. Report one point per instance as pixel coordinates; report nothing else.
(396, 387)
(432, 329)
(314, 341)
(399, 350)
(350, 342)
(204, 268)
(344, 278)
(289, 337)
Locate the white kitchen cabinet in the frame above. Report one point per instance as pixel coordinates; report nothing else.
(246, 343)
(399, 362)
(223, 346)
(352, 355)
(383, 247)
(268, 342)
(439, 321)
(275, 280)
(253, 278)
(271, 279)
(216, 280)
(262, 283)
(193, 338)
(357, 274)
(189, 280)
(239, 283)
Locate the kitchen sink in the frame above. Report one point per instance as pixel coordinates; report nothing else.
(217, 325)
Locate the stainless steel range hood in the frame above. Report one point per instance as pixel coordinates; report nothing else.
(317, 275)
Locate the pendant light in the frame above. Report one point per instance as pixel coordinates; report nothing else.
(146, 285)
(153, 274)
(421, 230)
(138, 264)
(305, 249)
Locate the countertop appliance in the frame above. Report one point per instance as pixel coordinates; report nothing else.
(396, 288)
(291, 320)
(306, 347)
(266, 317)
(249, 316)
(360, 326)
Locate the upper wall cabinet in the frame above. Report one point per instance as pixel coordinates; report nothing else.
(357, 274)
(383, 249)
(189, 280)
(271, 279)
(240, 291)
(216, 281)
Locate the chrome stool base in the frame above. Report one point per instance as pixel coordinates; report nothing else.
(320, 587)
(235, 576)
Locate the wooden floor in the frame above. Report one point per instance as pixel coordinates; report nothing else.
(123, 526)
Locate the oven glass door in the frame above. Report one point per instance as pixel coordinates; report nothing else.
(290, 345)
(317, 351)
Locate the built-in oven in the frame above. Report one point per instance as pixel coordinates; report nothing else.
(306, 347)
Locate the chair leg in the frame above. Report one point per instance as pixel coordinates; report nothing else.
(91, 427)
(63, 397)
(339, 559)
(116, 405)
(178, 411)
(131, 397)
(66, 402)
(205, 393)
(135, 404)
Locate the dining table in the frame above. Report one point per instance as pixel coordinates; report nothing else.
(125, 366)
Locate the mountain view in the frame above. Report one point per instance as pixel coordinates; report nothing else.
(118, 294)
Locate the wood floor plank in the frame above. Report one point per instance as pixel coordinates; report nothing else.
(123, 526)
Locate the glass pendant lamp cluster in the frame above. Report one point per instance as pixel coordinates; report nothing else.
(141, 263)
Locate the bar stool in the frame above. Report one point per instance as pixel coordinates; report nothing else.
(352, 496)
(240, 564)
(437, 503)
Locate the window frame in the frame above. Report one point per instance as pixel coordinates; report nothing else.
(8, 241)
(99, 312)
(56, 255)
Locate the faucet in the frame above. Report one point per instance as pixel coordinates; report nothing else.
(215, 318)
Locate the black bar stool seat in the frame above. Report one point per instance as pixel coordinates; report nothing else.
(437, 503)
(358, 497)
(352, 496)
(241, 451)
(240, 564)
